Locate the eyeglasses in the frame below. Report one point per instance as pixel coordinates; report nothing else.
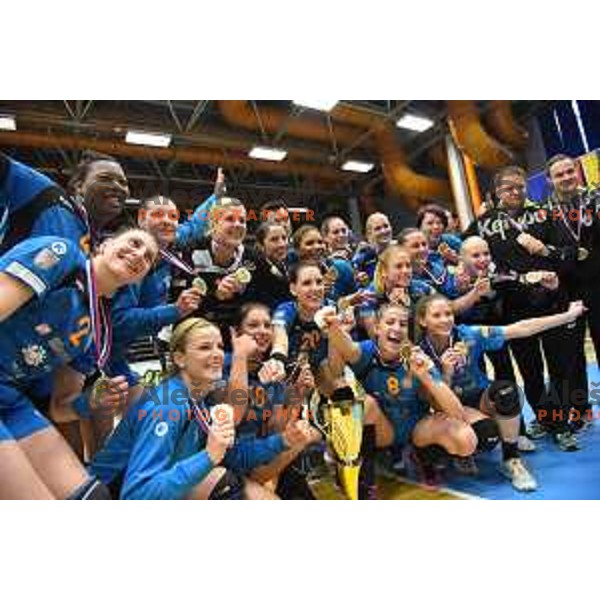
(507, 189)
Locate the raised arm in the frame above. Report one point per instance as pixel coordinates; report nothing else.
(529, 327)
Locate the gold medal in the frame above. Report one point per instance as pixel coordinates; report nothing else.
(406, 353)
(99, 388)
(243, 276)
(461, 348)
(582, 253)
(200, 285)
(533, 277)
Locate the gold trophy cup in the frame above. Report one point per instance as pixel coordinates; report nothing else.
(340, 419)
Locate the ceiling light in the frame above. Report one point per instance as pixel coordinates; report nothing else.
(414, 123)
(267, 153)
(357, 166)
(8, 123)
(141, 138)
(324, 105)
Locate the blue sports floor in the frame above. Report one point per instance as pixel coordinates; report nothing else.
(560, 475)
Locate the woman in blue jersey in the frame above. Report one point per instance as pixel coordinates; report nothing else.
(272, 405)
(457, 351)
(393, 283)
(402, 387)
(49, 296)
(169, 446)
(339, 273)
(432, 220)
(296, 334)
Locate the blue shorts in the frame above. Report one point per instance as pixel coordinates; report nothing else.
(403, 419)
(18, 416)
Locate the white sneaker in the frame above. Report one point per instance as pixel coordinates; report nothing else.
(521, 479)
(525, 444)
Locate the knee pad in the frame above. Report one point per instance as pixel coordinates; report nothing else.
(92, 489)
(229, 487)
(488, 434)
(504, 398)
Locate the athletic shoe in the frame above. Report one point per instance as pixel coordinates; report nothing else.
(521, 479)
(566, 441)
(525, 444)
(536, 431)
(423, 471)
(581, 425)
(465, 465)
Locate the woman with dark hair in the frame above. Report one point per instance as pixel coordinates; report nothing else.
(271, 286)
(432, 220)
(339, 274)
(94, 203)
(273, 405)
(54, 321)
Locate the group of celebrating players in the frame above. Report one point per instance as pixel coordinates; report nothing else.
(248, 333)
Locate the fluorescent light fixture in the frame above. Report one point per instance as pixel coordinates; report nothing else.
(8, 123)
(267, 153)
(414, 123)
(132, 202)
(324, 105)
(141, 138)
(298, 210)
(357, 166)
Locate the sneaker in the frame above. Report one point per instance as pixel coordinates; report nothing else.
(535, 430)
(521, 479)
(423, 471)
(580, 425)
(525, 444)
(465, 465)
(566, 441)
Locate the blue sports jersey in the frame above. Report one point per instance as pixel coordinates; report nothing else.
(159, 448)
(19, 185)
(365, 261)
(396, 392)
(54, 327)
(141, 309)
(303, 337)
(344, 283)
(454, 241)
(437, 275)
(470, 380)
(263, 398)
(38, 207)
(196, 227)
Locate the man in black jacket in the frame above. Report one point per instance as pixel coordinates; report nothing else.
(513, 230)
(573, 227)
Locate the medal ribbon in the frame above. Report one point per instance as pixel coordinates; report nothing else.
(174, 260)
(100, 319)
(577, 237)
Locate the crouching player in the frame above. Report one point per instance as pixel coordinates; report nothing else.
(166, 448)
(457, 352)
(402, 387)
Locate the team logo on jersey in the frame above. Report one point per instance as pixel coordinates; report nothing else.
(59, 248)
(161, 429)
(34, 355)
(46, 259)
